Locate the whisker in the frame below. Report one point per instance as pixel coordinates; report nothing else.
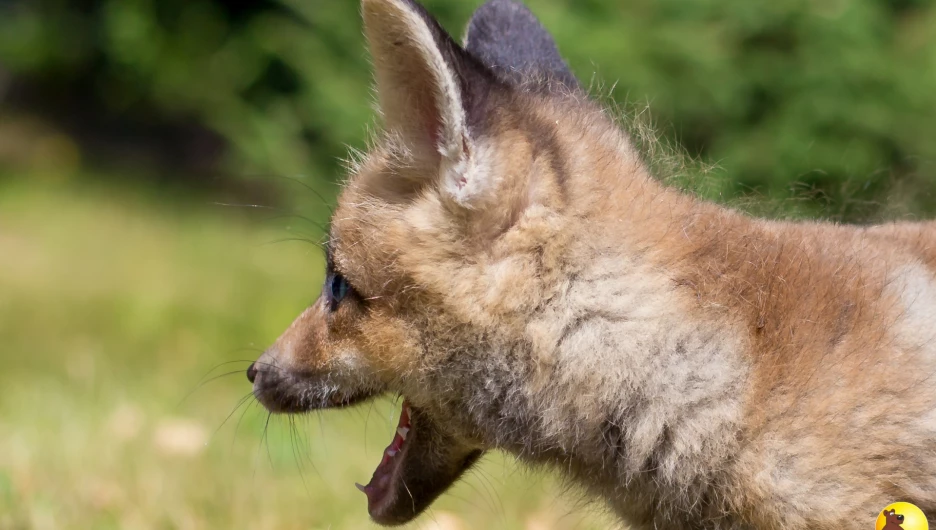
(322, 432)
(284, 214)
(303, 240)
(219, 365)
(491, 489)
(316, 224)
(266, 438)
(412, 499)
(236, 205)
(203, 383)
(302, 426)
(489, 504)
(306, 186)
(263, 434)
(240, 403)
(295, 452)
(241, 418)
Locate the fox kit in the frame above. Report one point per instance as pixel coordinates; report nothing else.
(504, 260)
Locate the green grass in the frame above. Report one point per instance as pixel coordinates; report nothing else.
(113, 306)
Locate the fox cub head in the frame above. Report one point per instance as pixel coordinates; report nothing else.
(447, 236)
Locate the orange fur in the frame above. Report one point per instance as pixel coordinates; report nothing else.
(534, 289)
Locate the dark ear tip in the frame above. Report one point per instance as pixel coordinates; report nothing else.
(510, 4)
(508, 38)
(502, 10)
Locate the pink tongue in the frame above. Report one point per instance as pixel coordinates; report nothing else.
(378, 487)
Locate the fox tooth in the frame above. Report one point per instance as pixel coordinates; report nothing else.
(392, 452)
(402, 431)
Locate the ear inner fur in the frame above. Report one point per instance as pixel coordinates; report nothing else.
(430, 91)
(414, 78)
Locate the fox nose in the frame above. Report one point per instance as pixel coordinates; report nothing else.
(252, 372)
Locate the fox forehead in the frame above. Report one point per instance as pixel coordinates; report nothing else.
(389, 215)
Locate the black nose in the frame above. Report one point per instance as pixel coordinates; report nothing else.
(252, 372)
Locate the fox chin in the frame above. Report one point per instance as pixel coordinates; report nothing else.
(504, 259)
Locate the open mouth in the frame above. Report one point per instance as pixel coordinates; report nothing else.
(423, 460)
(386, 479)
(418, 465)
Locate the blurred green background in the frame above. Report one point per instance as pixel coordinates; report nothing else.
(134, 287)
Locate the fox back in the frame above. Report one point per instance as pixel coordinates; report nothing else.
(503, 258)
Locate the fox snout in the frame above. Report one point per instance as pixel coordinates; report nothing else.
(282, 389)
(304, 371)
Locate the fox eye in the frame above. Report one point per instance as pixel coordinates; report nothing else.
(336, 289)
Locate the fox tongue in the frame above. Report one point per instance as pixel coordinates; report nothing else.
(380, 490)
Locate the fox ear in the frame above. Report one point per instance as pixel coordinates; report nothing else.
(429, 89)
(507, 38)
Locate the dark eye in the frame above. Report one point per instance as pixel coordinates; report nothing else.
(336, 288)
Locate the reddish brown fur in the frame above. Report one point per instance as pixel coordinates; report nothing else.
(526, 318)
